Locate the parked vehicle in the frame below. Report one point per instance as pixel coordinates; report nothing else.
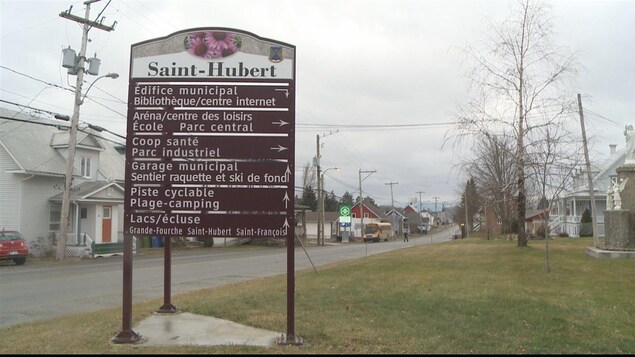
(13, 247)
(422, 228)
(378, 231)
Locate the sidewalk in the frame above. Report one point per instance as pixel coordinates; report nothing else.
(183, 328)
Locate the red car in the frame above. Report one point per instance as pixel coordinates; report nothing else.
(13, 247)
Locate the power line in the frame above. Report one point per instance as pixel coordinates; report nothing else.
(28, 28)
(36, 79)
(368, 127)
(603, 117)
(26, 106)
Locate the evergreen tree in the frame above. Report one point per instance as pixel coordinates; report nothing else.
(472, 200)
(367, 200)
(586, 224)
(347, 199)
(309, 198)
(331, 204)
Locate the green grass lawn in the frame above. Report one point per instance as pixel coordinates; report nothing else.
(465, 296)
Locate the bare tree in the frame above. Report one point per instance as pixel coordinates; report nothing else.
(518, 84)
(553, 162)
(493, 171)
(308, 176)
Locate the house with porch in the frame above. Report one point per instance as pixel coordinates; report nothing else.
(566, 212)
(33, 154)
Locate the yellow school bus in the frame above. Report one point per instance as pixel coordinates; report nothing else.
(378, 231)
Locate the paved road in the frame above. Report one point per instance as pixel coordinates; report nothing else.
(34, 292)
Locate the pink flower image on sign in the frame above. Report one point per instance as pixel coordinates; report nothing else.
(212, 44)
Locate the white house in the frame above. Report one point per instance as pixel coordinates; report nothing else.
(33, 152)
(566, 213)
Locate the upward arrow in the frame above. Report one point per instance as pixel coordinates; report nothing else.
(286, 199)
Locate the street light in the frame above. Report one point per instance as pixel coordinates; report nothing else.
(109, 75)
(79, 100)
(321, 208)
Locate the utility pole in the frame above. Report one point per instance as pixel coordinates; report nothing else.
(420, 216)
(61, 242)
(392, 201)
(588, 172)
(320, 194)
(467, 225)
(436, 199)
(319, 190)
(361, 198)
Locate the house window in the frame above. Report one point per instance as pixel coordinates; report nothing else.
(366, 215)
(55, 217)
(83, 213)
(107, 213)
(85, 166)
(353, 215)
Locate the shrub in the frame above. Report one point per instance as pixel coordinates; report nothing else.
(207, 241)
(586, 224)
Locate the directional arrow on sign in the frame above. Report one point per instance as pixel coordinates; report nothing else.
(279, 148)
(286, 200)
(281, 123)
(286, 92)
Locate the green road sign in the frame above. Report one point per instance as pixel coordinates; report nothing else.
(345, 211)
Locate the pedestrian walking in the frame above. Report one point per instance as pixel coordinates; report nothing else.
(405, 236)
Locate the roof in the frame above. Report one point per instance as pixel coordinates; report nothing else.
(35, 149)
(394, 212)
(376, 210)
(530, 215)
(85, 190)
(38, 156)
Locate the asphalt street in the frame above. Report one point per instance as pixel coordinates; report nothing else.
(43, 290)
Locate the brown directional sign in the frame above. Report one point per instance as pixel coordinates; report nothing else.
(209, 147)
(211, 136)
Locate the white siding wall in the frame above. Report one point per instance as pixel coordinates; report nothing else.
(9, 192)
(35, 205)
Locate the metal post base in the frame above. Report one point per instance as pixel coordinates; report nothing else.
(290, 340)
(126, 337)
(167, 309)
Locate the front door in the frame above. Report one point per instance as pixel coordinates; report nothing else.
(106, 224)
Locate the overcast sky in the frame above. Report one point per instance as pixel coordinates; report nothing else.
(360, 65)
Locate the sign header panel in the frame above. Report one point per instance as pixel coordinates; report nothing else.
(211, 136)
(213, 53)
